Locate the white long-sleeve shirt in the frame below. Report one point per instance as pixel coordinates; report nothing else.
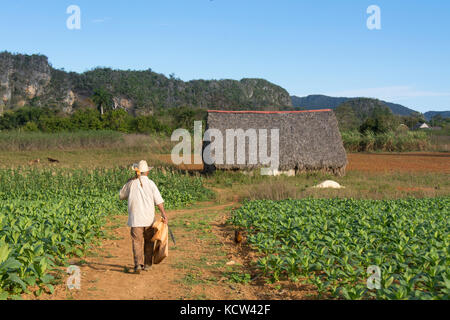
(141, 201)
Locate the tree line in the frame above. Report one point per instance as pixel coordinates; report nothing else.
(51, 120)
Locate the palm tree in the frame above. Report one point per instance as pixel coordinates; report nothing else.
(101, 98)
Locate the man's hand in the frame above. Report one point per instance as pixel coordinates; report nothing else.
(163, 213)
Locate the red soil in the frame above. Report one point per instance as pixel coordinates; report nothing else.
(399, 162)
(377, 162)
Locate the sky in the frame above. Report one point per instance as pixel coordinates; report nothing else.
(305, 46)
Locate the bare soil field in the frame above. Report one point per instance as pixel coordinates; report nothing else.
(166, 158)
(375, 162)
(399, 162)
(420, 162)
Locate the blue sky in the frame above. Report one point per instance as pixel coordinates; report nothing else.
(307, 47)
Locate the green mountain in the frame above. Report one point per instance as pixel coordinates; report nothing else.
(31, 80)
(314, 102)
(321, 101)
(430, 114)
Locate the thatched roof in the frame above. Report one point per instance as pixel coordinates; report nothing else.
(308, 140)
(421, 125)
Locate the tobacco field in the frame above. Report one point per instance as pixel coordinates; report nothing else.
(331, 243)
(49, 215)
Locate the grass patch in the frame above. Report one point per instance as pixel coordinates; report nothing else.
(33, 141)
(238, 277)
(192, 279)
(201, 296)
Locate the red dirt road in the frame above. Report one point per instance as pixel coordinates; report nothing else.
(399, 162)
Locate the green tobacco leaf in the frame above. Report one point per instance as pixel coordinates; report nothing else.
(15, 279)
(50, 288)
(11, 263)
(47, 278)
(4, 252)
(3, 295)
(388, 282)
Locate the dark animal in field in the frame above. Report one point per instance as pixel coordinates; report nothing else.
(52, 160)
(34, 161)
(238, 236)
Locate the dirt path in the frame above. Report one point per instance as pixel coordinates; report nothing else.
(105, 275)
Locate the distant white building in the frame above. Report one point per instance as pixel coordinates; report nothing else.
(421, 126)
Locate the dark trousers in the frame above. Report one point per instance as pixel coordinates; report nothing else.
(142, 245)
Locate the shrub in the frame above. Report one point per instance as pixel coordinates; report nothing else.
(30, 126)
(148, 124)
(388, 141)
(117, 120)
(55, 124)
(351, 140)
(86, 119)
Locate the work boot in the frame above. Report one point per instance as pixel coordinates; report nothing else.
(146, 267)
(137, 269)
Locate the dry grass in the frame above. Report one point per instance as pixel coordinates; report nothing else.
(274, 190)
(440, 143)
(81, 149)
(81, 158)
(36, 141)
(358, 185)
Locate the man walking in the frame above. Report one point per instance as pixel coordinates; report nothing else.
(142, 195)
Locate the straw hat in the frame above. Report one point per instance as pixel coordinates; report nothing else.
(143, 166)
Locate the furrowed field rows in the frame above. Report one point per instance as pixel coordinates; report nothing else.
(48, 215)
(332, 242)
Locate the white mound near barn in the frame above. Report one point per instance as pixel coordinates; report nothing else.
(329, 184)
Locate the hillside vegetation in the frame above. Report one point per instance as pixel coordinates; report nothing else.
(31, 80)
(431, 114)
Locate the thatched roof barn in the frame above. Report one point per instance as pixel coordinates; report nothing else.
(308, 140)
